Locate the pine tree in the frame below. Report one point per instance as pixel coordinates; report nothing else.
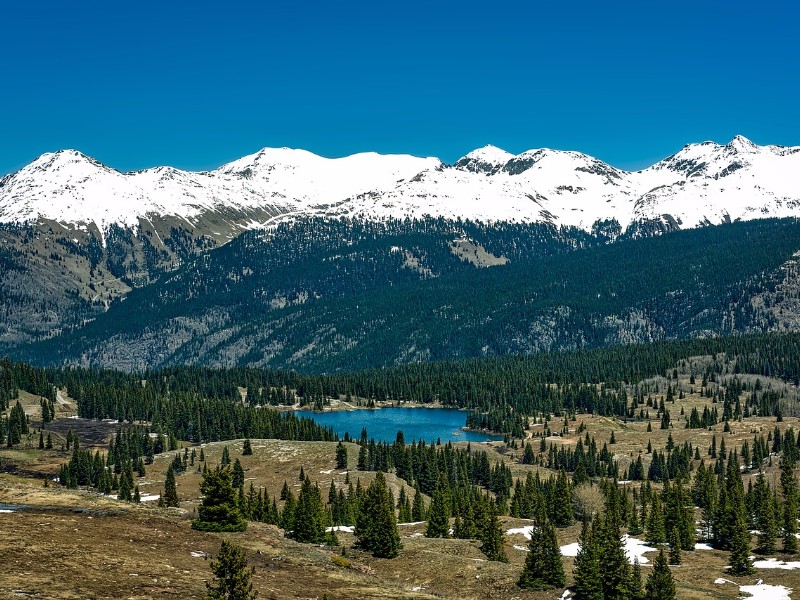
(614, 567)
(740, 550)
(247, 449)
(588, 582)
(226, 456)
(170, 489)
(491, 537)
(341, 456)
(543, 567)
(232, 577)
(636, 590)
(376, 526)
(418, 512)
(790, 502)
(309, 515)
(765, 516)
(439, 512)
(660, 585)
(674, 547)
(218, 510)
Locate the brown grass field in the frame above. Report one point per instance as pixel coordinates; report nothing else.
(77, 544)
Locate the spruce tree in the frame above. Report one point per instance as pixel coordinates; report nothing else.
(740, 548)
(790, 503)
(309, 515)
(418, 512)
(376, 526)
(218, 510)
(491, 537)
(674, 547)
(588, 582)
(543, 568)
(247, 448)
(660, 585)
(439, 512)
(170, 489)
(232, 577)
(614, 567)
(637, 589)
(765, 516)
(341, 456)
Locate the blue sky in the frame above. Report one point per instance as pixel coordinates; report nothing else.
(197, 84)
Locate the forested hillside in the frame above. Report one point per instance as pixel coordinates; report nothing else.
(327, 296)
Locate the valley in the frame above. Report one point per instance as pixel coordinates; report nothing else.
(154, 552)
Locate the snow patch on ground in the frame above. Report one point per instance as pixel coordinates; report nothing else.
(634, 549)
(328, 472)
(701, 546)
(763, 591)
(6, 510)
(774, 563)
(523, 548)
(526, 531)
(345, 528)
(407, 524)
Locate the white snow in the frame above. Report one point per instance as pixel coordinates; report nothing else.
(345, 528)
(6, 510)
(149, 497)
(526, 531)
(328, 472)
(774, 563)
(634, 548)
(705, 181)
(702, 546)
(523, 548)
(408, 524)
(763, 591)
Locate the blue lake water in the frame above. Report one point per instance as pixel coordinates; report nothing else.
(428, 424)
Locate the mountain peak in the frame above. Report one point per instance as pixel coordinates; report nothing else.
(741, 144)
(489, 159)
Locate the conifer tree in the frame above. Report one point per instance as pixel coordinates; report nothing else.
(170, 489)
(309, 515)
(341, 456)
(588, 582)
(247, 448)
(439, 512)
(740, 548)
(765, 516)
(226, 456)
(491, 537)
(418, 512)
(614, 567)
(674, 547)
(660, 584)
(376, 526)
(790, 503)
(543, 567)
(637, 589)
(237, 474)
(232, 577)
(218, 510)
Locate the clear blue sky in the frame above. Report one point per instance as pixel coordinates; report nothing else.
(196, 84)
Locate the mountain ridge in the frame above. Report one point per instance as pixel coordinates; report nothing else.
(701, 183)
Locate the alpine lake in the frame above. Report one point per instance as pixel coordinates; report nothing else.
(417, 424)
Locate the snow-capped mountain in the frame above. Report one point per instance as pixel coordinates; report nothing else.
(702, 183)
